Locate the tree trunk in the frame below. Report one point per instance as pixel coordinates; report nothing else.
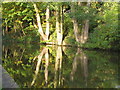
(85, 28)
(76, 28)
(86, 25)
(83, 36)
(59, 24)
(47, 22)
(6, 27)
(75, 25)
(40, 30)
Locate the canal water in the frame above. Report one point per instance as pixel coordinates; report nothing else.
(40, 66)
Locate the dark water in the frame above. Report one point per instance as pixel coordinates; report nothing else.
(39, 66)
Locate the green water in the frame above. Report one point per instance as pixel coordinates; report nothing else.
(39, 66)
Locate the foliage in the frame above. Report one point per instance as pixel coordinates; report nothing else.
(19, 26)
(106, 34)
(19, 22)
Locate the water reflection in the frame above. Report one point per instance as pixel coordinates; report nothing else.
(82, 60)
(55, 66)
(44, 51)
(58, 67)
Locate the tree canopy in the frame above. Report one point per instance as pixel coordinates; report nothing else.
(86, 24)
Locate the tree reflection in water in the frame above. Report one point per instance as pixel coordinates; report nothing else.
(80, 59)
(44, 51)
(57, 66)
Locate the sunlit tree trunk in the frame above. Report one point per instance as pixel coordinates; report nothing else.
(40, 30)
(47, 22)
(6, 26)
(35, 25)
(81, 36)
(59, 24)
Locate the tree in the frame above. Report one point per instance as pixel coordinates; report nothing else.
(106, 34)
(40, 30)
(81, 34)
(59, 23)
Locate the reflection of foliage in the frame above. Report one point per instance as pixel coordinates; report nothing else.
(20, 68)
(103, 73)
(102, 68)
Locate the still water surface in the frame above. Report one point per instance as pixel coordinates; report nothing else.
(39, 66)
